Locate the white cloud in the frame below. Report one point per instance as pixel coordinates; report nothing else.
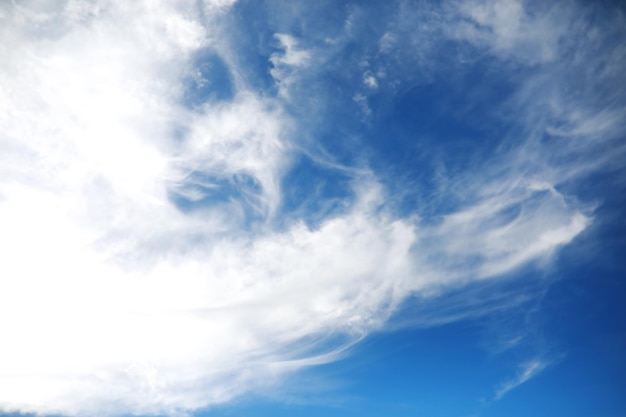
(116, 301)
(287, 63)
(370, 81)
(527, 371)
(361, 101)
(181, 330)
(506, 227)
(241, 137)
(505, 27)
(387, 42)
(113, 300)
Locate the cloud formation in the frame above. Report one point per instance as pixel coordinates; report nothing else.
(144, 269)
(527, 371)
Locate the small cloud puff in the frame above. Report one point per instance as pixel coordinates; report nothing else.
(370, 81)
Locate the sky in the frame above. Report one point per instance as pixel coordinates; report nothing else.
(226, 208)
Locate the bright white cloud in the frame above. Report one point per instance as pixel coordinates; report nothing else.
(244, 137)
(506, 227)
(114, 300)
(175, 331)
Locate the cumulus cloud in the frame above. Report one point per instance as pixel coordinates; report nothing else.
(142, 268)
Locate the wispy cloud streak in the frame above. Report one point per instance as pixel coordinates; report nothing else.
(527, 371)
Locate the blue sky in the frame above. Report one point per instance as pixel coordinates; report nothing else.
(358, 208)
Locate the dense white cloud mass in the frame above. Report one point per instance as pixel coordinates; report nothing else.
(126, 287)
